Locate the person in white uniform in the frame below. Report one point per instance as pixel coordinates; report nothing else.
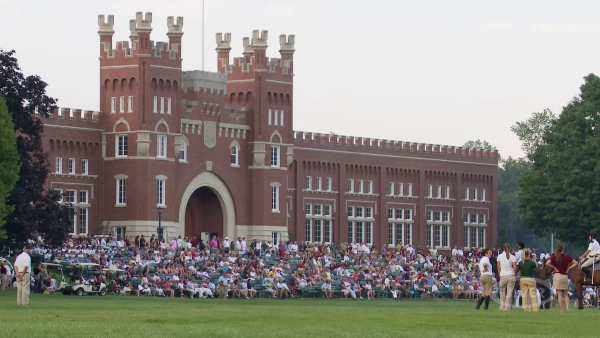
(592, 254)
(507, 268)
(23, 271)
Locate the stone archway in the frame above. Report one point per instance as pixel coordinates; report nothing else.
(207, 188)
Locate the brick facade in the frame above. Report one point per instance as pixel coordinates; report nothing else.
(218, 154)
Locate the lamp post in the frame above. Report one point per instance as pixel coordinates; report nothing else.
(160, 233)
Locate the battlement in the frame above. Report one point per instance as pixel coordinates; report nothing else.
(68, 114)
(396, 147)
(207, 82)
(141, 25)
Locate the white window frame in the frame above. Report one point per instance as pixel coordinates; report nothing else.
(475, 194)
(350, 212)
(85, 167)
(58, 165)
(155, 109)
(275, 158)
(308, 182)
(308, 209)
(308, 232)
(161, 192)
(274, 198)
(169, 106)
(113, 105)
(351, 230)
(73, 229)
(439, 191)
(370, 187)
(121, 197)
(328, 184)
(410, 186)
(361, 184)
(275, 117)
(319, 183)
(83, 221)
(447, 192)
(399, 213)
(467, 191)
(161, 146)
(360, 212)
(121, 146)
(446, 216)
(62, 197)
(483, 195)
(429, 190)
(408, 214)
(130, 104)
(400, 189)
(121, 104)
(327, 210)
(85, 200)
(269, 118)
(318, 209)
(281, 119)
(391, 190)
(162, 105)
(71, 166)
(74, 195)
(235, 156)
(482, 218)
(368, 212)
(351, 185)
(183, 151)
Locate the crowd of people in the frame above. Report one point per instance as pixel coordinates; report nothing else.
(188, 267)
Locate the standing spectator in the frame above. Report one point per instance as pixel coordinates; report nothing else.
(507, 268)
(3, 274)
(37, 277)
(528, 290)
(561, 263)
(226, 245)
(214, 246)
(222, 284)
(485, 268)
(23, 271)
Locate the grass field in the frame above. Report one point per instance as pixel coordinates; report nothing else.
(111, 316)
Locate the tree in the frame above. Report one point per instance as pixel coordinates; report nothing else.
(532, 130)
(561, 192)
(26, 96)
(9, 170)
(479, 144)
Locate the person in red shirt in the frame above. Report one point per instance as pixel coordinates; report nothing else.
(561, 263)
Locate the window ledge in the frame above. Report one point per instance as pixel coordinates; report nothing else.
(275, 211)
(161, 206)
(120, 205)
(235, 165)
(183, 161)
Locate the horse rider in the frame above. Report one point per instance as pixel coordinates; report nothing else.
(592, 254)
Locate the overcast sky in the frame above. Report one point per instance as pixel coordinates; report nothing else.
(440, 72)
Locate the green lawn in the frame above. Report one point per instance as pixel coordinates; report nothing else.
(111, 316)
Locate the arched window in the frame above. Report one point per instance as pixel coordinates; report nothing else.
(234, 155)
(183, 152)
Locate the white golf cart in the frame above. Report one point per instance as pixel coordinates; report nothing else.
(53, 287)
(81, 285)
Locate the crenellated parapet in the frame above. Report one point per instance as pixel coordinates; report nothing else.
(399, 148)
(74, 117)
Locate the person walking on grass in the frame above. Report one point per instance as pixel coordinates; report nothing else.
(528, 291)
(23, 271)
(561, 263)
(485, 269)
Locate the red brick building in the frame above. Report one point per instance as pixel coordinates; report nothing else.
(217, 153)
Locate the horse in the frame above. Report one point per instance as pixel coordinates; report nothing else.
(578, 277)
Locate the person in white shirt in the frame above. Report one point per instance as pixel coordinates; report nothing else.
(519, 253)
(347, 290)
(592, 254)
(507, 268)
(485, 269)
(23, 272)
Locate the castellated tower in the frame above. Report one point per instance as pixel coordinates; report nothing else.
(262, 89)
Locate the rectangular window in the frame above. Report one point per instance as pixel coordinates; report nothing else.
(481, 218)
(162, 105)
(399, 233)
(328, 183)
(113, 104)
(400, 189)
(72, 220)
(281, 123)
(369, 232)
(122, 104)
(408, 214)
(474, 237)
(84, 167)
(155, 110)
(318, 209)
(318, 229)
(439, 191)
(130, 104)
(161, 152)
(275, 198)
(351, 188)
(429, 214)
(437, 235)
(275, 119)
(360, 186)
(368, 212)
(446, 216)
(483, 194)
(120, 232)
(83, 221)
(274, 236)
(59, 165)
(274, 156)
(319, 183)
(121, 192)
(169, 106)
(326, 230)
(467, 237)
(121, 145)
(359, 232)
(269, 117)
(350, 211)
(474, 218)
(429, 190)
(160, 192)
(447, 194)
(474, 194)
(359, 212)
(327, 210)
(399, 213)
(391, 191)
(446, 236)
(481, 232)
(467, 194)
(409, 189)
(61, 195)
(390, 233)
(70, 196)
(71, 166)
(308, 230)
(308, 182)
(83, 197)
(391, 213)
(308, 209)
(234, 154)
(466, 217)
(350, 232)
(437, 216)
(429, 235)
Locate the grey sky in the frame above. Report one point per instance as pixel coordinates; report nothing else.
(440, 72)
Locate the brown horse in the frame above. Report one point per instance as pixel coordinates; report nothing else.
(578, 277)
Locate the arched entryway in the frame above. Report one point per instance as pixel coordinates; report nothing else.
(207, 206)
(203, 214)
